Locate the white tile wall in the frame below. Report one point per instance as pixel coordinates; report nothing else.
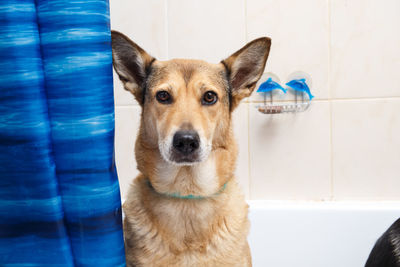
(290, 154)
(127, 125)
(205, 29)
(144, 23)
(241, 130)
(366, 149)
(346, 146)
(365, 48)
(300, 38)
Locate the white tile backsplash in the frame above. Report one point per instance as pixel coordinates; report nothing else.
(290, 154)
(205, 29)
(366, 149)
(365, 47)
(300, 38)
(127, 120)
(240, 121)
(144, 23)
(349, 48)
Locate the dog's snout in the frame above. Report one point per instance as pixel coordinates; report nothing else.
(186, 142)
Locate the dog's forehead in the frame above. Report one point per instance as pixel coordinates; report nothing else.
(187, 71)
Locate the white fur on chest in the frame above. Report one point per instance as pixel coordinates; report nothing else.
(205, 176)
(198, 179)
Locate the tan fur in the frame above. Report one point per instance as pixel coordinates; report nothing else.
(176, 232)
(166, 231)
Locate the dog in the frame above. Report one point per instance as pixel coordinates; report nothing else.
(386, 251)
(185, 207)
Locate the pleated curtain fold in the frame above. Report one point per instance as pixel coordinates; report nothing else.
(59, 192)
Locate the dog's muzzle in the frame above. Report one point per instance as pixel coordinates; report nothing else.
(185, 146)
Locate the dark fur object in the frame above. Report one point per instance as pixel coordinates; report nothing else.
(386, 252)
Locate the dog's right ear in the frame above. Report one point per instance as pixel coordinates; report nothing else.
(245, 67)
(131, 63)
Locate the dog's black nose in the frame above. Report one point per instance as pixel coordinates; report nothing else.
(186, 142)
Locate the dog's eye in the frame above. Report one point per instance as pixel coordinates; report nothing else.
(163, 97)
(209, 98)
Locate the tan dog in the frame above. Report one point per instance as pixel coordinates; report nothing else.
(185, 208)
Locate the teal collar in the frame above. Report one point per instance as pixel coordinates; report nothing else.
(190, 196)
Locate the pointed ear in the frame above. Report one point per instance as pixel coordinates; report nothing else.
(245, 67)
(131, 63)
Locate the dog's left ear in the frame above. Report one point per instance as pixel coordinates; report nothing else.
(131, 63)
(245, 67)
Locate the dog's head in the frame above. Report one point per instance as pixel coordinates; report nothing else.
(187, 104)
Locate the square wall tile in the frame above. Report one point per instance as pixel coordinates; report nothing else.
(240, 128)
(365, 48)
(142, 21)
(145, 23)
(208, 30)
(290, 154)
(366, 149)
(300, 38)
(127, 120)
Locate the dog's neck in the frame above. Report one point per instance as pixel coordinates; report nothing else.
(203, 179)
(179, 196)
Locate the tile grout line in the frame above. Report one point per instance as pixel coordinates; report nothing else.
(332, 184)
(166, 29)
(366, 98)
(335, 99)
(331, 197)
(245, 21)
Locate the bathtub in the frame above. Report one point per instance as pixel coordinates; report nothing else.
(317, 234)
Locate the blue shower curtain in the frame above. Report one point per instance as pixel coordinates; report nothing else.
(59, 192)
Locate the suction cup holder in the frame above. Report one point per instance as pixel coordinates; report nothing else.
(276, 98)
